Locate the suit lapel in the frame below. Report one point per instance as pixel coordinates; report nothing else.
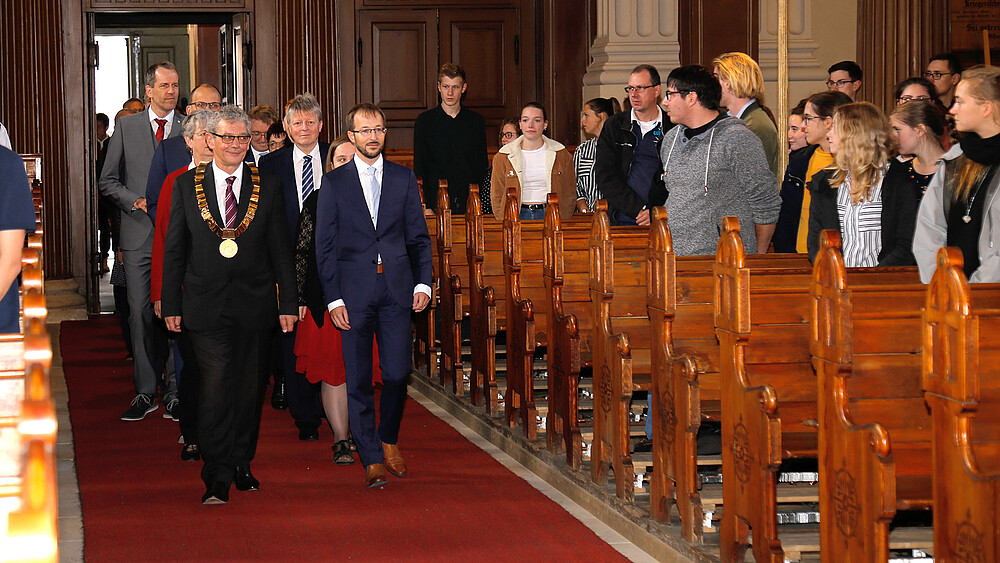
(383, 188)
(246, 190)
(359, 193)
(211, 196)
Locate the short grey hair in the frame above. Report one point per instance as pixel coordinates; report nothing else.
(232, 114)
(194, 121)
(304, 103)
(151, 71)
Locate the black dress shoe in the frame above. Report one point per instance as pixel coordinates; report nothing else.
(278, 399)
(308, 434)
(216, 493)
(245, 481)
(190, 453)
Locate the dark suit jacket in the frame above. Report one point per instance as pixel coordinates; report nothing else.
(169, 156)
(281, 165)
(347, 244)
(198, 281)
(898, 219)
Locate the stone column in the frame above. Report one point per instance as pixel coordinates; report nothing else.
(631, 32)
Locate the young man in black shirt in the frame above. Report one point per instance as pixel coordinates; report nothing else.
(449, 142)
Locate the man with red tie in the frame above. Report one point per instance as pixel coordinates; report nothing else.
(123, 181)
(228, 279)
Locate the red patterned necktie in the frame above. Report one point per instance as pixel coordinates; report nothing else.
(159, 129)
(230, 203)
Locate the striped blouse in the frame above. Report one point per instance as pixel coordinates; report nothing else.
(586, 183)
(860, 225)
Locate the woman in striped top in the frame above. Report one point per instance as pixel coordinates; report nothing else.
(592, 118)
(876, 224)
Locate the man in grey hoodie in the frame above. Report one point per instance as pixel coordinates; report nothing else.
(714, 166)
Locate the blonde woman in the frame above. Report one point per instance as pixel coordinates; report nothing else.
(959, 208)
(875, 224)
(535, 166)
(743, 95)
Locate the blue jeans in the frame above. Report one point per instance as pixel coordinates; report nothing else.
(527, 214)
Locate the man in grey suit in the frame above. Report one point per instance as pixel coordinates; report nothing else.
(123, 181)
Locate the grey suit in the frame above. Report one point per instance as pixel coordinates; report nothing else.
(123, 181)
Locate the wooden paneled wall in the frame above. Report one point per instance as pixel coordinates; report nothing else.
(305, 46)
(31, 107)
(709, 28)
(896, 40)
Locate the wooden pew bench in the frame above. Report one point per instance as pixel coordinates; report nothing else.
(875, 431)
(769, 392)
(961, 380)
(424, 324)
(621, 345)
(685, 356)
(453, 305)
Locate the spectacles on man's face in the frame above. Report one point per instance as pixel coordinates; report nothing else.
(230, 139)
(639, 89)
(258, 134)
(838, 83)
(937, 75)
(206, 105)
(369, 132)
(669, 93)
(904, 99)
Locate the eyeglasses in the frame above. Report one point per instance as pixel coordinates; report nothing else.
(838, 83)
(369, 132)
(639, 89)
(508, 135)
(807, 118)
(258, 134)
(670, 93)
(903, 99)
(209, 105)
(274, 145)
(230, 139)
(937, 75)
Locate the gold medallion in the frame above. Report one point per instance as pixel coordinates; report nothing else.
(228, 248)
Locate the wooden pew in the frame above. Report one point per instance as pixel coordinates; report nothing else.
(453, 305)
(769, 392)
(484, 238)
(425, 337)
(875, 431)
(621, 345)
(961, 380)
(685, 365)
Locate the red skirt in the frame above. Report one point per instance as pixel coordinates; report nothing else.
(320, 354)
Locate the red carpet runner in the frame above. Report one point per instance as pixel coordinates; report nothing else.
(142, 503)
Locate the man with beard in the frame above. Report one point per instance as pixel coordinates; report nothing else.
(374, 258)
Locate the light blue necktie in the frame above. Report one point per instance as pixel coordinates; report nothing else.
(307, 177)
(376, 194)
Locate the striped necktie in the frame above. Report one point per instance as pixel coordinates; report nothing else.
(307, 177)
(230, 203)
(159, 129)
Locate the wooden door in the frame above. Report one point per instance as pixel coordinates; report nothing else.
(486, 44)
(397, 51)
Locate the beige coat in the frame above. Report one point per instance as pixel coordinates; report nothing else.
(508, 172)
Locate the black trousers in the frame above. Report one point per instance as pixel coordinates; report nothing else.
(230, 357)
(188, 384)
(304, 400)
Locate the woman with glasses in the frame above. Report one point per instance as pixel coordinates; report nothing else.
(592, 118)
(916, 88)
(875, 220)
(817, 120)
(959, 208)
(318, 350)
(508, 132)
(534, 165)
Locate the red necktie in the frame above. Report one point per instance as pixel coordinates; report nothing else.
(159, 129)
(230, 202)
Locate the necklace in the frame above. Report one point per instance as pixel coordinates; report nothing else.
(228, 247)
(968, 207)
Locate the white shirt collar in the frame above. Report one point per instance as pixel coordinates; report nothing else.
(659, 116)
(739, 114)
(298, 154)
(152, 116)
(221, 175)
(363, 166)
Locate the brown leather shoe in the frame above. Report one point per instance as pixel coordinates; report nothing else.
(375, 475)
(393, 460)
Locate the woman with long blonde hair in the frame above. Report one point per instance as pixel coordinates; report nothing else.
(959, 206)
(875, 224)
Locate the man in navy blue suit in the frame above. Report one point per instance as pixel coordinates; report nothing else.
(173, 153)
(300, 168)
(374, 257)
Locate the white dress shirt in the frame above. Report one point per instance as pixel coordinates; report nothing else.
(317, 165)
(4, 137)
(257, 154)
(739, 114)
(220, 188)
(166, 126)
(365, 178)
